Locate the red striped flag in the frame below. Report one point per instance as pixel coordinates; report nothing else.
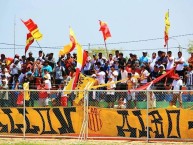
(105, 30)
(29, 41)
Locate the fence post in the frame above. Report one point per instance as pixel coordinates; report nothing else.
(147, 115)
(24, 124)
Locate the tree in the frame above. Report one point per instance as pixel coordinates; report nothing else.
(190, 47)
(93, 51)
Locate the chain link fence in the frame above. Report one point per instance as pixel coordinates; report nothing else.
(149, 114)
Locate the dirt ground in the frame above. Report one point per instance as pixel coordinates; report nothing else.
(16, 141)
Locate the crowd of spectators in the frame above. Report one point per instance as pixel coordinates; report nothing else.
(46, 73)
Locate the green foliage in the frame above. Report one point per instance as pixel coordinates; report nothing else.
(190, 47)
(101, 49)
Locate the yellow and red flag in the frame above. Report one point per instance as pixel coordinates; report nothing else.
(33, 28)
(105, 30)
(69, 47)
(81, 60)
(9, 60)
(167, 26)
(29, 41)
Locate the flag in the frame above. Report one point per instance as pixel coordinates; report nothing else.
(29, 41)
(9, 60)
(81, 60)
(105, 30)
(167, 26)
(84, 82)
(68, 88)
(69, 47)
(33, 28)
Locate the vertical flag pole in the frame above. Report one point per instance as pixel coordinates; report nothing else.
(106, 49)
(168, 33)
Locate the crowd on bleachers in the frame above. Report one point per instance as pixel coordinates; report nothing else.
(46, 73)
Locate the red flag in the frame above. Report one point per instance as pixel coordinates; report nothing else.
(29, 41)
(167, 74)
(105, 30)
(33, 28)
(166, 38)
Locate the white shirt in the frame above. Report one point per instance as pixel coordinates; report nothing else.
(180, 67)
(145, 73)
(176, 84)
(170, 64)
(114, 75)
(47, 84)
(101, 77)
(111, 87)
(124, 75)
(15, 70)
(152, 63)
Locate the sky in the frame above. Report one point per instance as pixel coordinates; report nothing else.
(128, 20)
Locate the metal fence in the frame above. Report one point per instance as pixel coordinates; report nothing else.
(116, 114)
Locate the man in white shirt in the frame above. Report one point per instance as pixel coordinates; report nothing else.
(113, 73)
(144, 75)
(180, 65)
(124, 74)
(177, 85)
(101, 76)
(152, 61)
(110, 96)
(170, 61)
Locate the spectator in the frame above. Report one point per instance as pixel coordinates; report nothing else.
(110, 96)
(177, 86)
(189, 78)
(124, 74)
(31, 58)
(121, 60)
(101, 76)
(3, 94)
(47, 67)
(131, 83)
(116, 56)
(152, 62)
(43, 95)
(190, 60)
(144, 75)
(113, 73)
(180, 65)
(121, 103)
(110, 61)
(170, 61)
(51, 60)
(101, 59)
(144, 58)
(58, 73)
(41, 56)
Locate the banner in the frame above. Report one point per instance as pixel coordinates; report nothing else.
(162, 123)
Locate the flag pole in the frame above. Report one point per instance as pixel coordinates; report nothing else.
(168, 33)
(39, 45)
(106, 49)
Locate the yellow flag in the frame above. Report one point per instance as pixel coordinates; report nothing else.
(68, 88)
(79, 56)
(167, 21)
(83, 83)
(36, 34)
(69, 47)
